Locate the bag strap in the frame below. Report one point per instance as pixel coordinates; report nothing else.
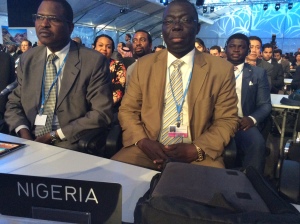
(274, 202)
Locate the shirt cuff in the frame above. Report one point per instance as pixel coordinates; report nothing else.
(60, 134)
(253, 119)
(21, 127)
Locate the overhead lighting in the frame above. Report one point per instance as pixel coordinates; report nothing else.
(277, 6)
(204, 9)
(290, 5)
(212, 9)
(265, 7)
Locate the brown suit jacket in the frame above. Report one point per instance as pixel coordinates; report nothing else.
(212, 102)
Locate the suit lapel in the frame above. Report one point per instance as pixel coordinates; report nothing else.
(159, 74)
(70, 72)
(200, 71)
(39, 68)
(247, 73)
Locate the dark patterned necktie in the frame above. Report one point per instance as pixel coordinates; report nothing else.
(49, 106)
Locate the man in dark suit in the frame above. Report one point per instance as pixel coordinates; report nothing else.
(277, 74)
(255, 56)
(7, 76)
(207, 113)
(254, 104)
(82, 97)
(283, 62)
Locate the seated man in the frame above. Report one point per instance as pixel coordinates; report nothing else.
(254, 103)
(63, 88)
(181, 103)
(277, 74)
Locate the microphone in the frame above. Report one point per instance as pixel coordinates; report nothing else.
(9, 88)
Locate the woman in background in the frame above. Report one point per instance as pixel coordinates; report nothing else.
(200, 46)
(105, 45)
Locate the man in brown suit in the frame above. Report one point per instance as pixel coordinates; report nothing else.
(209, 109)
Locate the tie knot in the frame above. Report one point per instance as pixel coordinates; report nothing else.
(177, 63)
(52, 57)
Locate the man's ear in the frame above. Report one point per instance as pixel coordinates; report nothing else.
(198, 27)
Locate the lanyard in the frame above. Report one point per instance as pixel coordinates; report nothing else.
(44, 99)
(179, 106)
(238, 75)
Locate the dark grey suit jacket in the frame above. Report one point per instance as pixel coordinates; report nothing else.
(85, 97)
(256, 100)
(7, 76)
(268, 67)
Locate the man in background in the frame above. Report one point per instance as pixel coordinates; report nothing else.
(254, 104)
(254, 57)
(142, 45)
(215, 50)
(277, 75)
(128, 41)
(284, 63)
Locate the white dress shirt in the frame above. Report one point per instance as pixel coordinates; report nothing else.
(186, 70)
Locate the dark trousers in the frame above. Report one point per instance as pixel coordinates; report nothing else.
(251, 148)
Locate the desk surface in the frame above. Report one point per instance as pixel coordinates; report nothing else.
(38, 159)
(275, 100)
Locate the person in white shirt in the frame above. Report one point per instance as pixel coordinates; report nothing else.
(254, 103)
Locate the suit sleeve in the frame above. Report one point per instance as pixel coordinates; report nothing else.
(130, 112)
(296, 79)
(15, 114)
(278, 79)
(223, 122)
(98, 103)
(263, 99)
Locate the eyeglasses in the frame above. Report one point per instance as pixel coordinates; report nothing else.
(182, 21)
(50, 19)
(143, 40)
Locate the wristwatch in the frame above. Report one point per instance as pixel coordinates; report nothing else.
(53, 136)
(200, 152)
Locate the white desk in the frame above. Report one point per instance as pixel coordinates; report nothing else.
(275, 100)
(49, 161)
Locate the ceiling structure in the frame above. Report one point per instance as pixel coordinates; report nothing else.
(130, 15)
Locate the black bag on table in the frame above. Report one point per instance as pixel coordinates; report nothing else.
(187, 193)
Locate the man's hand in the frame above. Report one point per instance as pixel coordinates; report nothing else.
(24, 133)
(181, 152)
(46, 138)
(154, 150)
(245, 123)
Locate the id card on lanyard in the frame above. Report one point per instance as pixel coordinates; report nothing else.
(179, 130)
(40, 117)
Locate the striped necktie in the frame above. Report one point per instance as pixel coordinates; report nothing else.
(49, 106)
(170, 113)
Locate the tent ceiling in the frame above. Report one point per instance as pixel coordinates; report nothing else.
(142, 14)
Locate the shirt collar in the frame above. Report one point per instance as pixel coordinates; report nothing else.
(240, 67)
(188, 58)
(62, 53)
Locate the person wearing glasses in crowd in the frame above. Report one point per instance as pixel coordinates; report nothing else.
(183, 88)
(142, 45)
(64, 89)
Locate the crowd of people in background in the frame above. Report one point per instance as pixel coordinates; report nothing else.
(125, 59)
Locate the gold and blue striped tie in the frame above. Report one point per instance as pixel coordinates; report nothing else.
(170, 113)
